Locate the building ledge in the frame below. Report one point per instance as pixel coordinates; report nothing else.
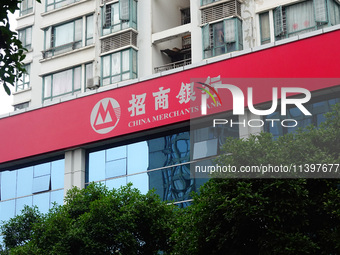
(22, 91)
(63, 7)
(171, 33)
(67, 53)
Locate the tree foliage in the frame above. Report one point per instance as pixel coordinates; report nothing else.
(268, 216)
(12, 53)
(96, 220)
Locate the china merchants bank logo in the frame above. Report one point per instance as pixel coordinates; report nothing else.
(105, 115)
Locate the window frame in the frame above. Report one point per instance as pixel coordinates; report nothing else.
(28, 9)
(56, 2)
(110, 28)
(71, 92)
(23, 33)
(51, 50)
(25, 84)
(206, 2)
(282, 33)
(132, 73)
(211, 26)
(264, 40)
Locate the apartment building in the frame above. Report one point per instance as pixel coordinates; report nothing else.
(110, 94)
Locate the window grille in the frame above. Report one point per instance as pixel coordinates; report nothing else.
(220, 11)
(117, 41)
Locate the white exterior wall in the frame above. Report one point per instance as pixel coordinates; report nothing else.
(144, 27)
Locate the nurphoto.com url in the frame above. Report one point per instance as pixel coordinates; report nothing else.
(291, 170)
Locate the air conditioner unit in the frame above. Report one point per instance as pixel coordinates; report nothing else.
(93, 83)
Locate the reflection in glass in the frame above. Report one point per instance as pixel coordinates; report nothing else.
(96, 166)
(42, 169)
(137, 157)
(115, 168)
(116, 153)
(42, 201)
(137, 162)
(57, 197)
(24, 182)
(116, 183)
(57, 174)
(21, 202)
(41, 183)
(8, 184)
(317, 109)
(7, 210)
(140, 181)
(172, 184)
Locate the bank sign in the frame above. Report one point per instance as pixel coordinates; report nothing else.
(265, 76)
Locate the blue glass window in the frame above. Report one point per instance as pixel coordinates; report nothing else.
(8, 184)
(57, 174)
(42, 201)
(19, 185)
(7, 210)
(160, 163)
(21, 202)
(317, 109)
(25, 182)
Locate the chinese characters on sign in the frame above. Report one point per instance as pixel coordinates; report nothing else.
(161, 97)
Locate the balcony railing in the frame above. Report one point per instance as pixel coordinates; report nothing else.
(54, 4)
(60, 49)
(173, 65)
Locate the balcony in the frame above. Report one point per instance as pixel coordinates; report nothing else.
(61, 49)
(179, 57)
(173, 65)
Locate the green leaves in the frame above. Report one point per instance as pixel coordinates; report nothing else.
(96, 220)
(268, 216)
(12, 52)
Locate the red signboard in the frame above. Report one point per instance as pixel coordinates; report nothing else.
(163, 100)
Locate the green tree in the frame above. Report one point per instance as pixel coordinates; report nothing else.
(268, 215)
(12, 53)
(96, 220)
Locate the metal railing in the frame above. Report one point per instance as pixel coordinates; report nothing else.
(60, 49)
(173, 65)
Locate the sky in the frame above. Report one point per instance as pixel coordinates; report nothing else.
(5, 100)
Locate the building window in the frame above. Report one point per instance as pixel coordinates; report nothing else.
(119, 66)
(21, 106)
(264, 28)
(23, 82)
(317, 108)
(26, 7)
(89, 30)
(55, 4)
(63, 83)
(161, 163)
(204, 2)
(38, 185)
(222, 37)
(185, 16)
(118, 16)
(88, 72)
(304, 17)
(25, 36)
(156, 163)
(68, 36)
